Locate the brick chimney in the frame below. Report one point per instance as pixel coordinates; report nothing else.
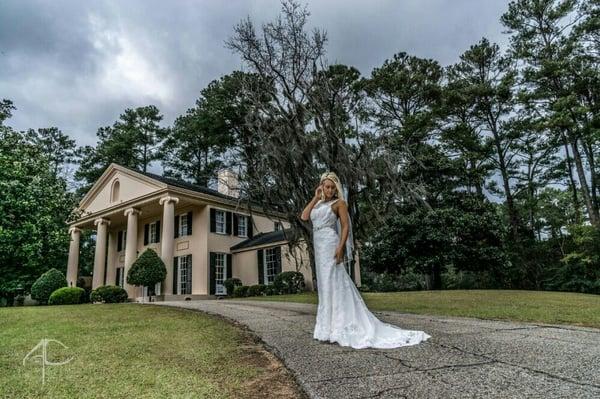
(227, 183)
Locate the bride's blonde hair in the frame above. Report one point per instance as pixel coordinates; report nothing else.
(336, 180)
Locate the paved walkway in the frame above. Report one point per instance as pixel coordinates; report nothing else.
(465, 358)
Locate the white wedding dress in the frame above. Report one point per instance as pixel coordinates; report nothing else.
(342, 315)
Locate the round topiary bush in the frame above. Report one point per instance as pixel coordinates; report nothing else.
(67, 296)
(46, 284)
(231, 283)
(289, 282)
(257, 290)
(240, 291)
(108, 294)
(147, 270)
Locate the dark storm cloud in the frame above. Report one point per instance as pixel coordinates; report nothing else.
(78, 65)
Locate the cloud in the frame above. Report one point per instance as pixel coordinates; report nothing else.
(78, 65)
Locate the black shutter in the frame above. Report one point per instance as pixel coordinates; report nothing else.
(213, 220)
(175, 259)
(189, 223)
(249, 220)
(119, 240)
(176, 226)
(158, 231)
(211, 275)
(228, 222)
(118, 277)
(277, 260)
(146, 231)
(261, 271)
(235, 224)
(189, 274)
(229, 267)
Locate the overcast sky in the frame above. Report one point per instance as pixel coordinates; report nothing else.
(78, 64)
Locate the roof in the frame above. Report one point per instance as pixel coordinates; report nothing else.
(264, 238)
(200, 189)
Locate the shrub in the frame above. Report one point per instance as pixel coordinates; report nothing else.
(240, 291)
(257, 290)
(148, 269)
(231, 283)
(289, 282)
(108, 294)
(66, 296)
(46, 284)
(271, 290)
(389, 282)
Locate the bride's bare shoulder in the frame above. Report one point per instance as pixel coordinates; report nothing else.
(339, 204)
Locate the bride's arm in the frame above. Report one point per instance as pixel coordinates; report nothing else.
(306, 212)
(343, 215)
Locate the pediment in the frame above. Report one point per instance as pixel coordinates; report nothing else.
(117, 184)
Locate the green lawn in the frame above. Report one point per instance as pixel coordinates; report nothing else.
(129, 350)
(535, 306)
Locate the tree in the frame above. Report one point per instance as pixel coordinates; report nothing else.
(34, 207)
(285, 96)
(133, 141)
(541, 41)
(194, 149)
(58, 147)
(147, 270)
(465, 233)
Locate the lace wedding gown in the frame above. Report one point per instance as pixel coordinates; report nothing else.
(342, 315)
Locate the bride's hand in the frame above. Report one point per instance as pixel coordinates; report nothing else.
(318, 191)
(339, 255)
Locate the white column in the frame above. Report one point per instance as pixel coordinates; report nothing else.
(73, 262)
(100, 254)
(111, 261)
(131, 246)
(167, 240)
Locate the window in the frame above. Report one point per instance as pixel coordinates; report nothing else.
(114, 195)
(278, 226)
(270, 265)
(183, 225)
(184, 274)
(120, 280)
(220, 221)
(220, 273)
(242, 226)
(153, 233)
(121, 238)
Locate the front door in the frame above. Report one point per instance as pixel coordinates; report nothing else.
(220, 273)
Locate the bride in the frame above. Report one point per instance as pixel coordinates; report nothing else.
(342, 315)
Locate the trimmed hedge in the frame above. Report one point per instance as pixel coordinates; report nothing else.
(289, 282)
(240, 291)
(108, 294)
(46, 284)
(66, 296)
(231, 283)
(257, 290)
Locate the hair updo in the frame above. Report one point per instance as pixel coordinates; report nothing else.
(336, 180)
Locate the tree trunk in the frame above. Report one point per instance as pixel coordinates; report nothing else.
(594, 219)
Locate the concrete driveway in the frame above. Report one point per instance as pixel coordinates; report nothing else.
(465, 358)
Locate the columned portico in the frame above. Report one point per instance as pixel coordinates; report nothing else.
(100, 253)
(73, 262)
(167, 244)
(131, 245)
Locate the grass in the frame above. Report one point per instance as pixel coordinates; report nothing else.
(130, 350)
(530, 306)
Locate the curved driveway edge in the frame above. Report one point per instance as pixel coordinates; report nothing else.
(464, 358)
